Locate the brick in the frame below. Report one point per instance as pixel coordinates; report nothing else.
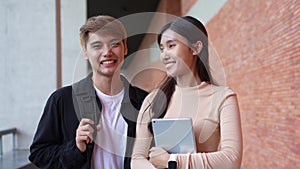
(259, 45)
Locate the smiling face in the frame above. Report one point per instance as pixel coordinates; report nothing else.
(105, 53)
(176, 55)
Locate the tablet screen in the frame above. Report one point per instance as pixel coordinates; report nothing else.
(174, 135)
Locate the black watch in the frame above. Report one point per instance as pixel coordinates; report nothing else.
(172, 165)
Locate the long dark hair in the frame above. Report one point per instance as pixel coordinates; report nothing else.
(193, 30)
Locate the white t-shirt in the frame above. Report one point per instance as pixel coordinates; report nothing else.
(110, 143)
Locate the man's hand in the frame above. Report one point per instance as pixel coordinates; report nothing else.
(84, 133)
(159, 157)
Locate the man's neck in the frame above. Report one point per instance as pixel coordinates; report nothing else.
(108, 85)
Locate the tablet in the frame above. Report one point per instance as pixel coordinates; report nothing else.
(174, 135)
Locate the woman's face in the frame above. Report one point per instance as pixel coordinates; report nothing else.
(176, 55)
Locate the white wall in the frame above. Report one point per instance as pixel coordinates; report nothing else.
(28, 59)
(27, 47)
(73, 15)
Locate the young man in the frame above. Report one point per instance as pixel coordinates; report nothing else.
(91, 124)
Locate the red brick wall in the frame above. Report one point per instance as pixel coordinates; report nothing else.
(170, 6)
(186, 5)
(259, 44)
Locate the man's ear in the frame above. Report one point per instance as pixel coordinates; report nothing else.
(197, 47)
(84, 53)
(125, 47)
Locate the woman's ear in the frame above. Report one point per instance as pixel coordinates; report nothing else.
(197, 47)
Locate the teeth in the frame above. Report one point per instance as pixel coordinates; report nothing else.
(108, 62)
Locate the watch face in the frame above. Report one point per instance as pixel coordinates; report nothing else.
(172, 165)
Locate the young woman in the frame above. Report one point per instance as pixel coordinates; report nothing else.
(189, 91)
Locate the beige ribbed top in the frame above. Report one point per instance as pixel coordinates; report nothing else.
(216, 125)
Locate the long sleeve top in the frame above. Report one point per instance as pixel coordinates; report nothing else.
(216, 126)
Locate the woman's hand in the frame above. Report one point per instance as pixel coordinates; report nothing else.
(159, 157)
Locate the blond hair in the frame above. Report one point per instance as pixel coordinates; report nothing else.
(103, 24)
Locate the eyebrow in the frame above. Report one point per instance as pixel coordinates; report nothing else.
(112, 40)
(170, 41)
(116, 39)
(95, 42)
